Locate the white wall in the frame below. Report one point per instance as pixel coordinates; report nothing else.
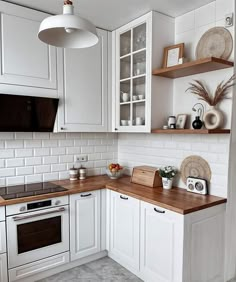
(158, 150)
(36, 157)
(189, 29)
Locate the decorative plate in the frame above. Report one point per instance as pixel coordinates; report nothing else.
(216, 42)
(195, 166)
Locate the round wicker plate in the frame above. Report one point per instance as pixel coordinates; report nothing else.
(195, 166)
(216, 42)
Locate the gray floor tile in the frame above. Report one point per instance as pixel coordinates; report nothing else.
(102, 270)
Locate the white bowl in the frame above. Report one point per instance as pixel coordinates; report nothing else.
(141, 97)
(114, 175)
(135, 98)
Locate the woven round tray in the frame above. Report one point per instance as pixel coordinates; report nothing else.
(195, 166)
(216, 42)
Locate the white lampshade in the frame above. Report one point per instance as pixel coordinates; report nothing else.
(68, 30)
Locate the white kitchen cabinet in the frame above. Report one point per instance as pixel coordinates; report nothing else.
(84, 94)
(84, 224)
(182, 248)
(28, 66)
(2, 237)
(3, 268)
(137, 49)
(124, 230)
(161, 241)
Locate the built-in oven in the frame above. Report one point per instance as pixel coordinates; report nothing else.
(37, 230)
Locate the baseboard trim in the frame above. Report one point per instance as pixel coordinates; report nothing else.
(64, 267)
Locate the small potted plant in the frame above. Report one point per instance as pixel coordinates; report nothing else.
(167, 173)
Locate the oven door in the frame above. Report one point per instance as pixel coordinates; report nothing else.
(36, 235)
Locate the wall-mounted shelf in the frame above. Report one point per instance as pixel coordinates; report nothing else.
(194, 67)
(191, 131)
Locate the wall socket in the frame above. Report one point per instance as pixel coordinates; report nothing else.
(82, 158)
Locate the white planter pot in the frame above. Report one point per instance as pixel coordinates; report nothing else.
(167, 183)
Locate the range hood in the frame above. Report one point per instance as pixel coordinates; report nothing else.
(27, 113)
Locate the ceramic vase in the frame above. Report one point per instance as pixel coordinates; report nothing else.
(213, 118)
(197, 123)
(167, 182)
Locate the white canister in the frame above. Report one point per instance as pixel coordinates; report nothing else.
(73, 174)
(171, 121)
(82, 173)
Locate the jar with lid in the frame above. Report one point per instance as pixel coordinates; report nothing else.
(82, 173)
(73, 173)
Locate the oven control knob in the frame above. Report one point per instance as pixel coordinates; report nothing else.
(57, 202)
(22, 209)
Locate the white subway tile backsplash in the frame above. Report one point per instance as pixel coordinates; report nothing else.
(42, 169)
(81, 142)
(58, 151)
(66, 159)
(33, 161)
(50, 176)
(41, 135)
(15, 180)
(5, 172)
(2, 163)
(51, 160)
(6, 135)
(58, 167)
(50, 143)
(33, 178)
(87, 150)
(15, 162)
(23, 135)
(33, 143)
(21, 153)
(25, 170)
(172, 151)
(66, 143)
(63, 175)
(57, 136)
(14, 144)
(6, 154)
(41, 152)
(73, 150)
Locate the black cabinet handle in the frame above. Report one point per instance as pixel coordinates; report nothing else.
(159, 211)
(124, 198)
(86, 195)
(116, 129)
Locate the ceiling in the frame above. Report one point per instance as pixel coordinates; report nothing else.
(111, 14)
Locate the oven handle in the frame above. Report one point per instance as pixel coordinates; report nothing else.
(17, 218)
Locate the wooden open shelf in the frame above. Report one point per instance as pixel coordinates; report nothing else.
(191, 131)
(194, 67)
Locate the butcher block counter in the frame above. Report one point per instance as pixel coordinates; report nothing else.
(175, 199)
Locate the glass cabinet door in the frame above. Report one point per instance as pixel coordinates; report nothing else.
(132, 77)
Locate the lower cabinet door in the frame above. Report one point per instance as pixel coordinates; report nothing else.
(124, 230)
(3, 268)
(161, 252)
(84, 224)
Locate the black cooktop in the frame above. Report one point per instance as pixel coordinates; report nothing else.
(28, 190)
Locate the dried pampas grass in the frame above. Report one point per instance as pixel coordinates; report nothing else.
(221, 92)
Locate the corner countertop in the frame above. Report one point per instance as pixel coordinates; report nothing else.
(175, 199)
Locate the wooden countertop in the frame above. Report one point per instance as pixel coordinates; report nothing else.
(176, 199)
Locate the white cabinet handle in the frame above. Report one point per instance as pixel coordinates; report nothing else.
(159, 211)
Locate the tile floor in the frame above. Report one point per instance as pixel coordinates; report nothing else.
(104, 269)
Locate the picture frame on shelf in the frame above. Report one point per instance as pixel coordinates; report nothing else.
(172, 55)
(181, 121)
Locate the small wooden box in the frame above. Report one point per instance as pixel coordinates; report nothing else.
(146, 175)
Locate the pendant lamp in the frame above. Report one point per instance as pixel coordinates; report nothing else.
(68, 30)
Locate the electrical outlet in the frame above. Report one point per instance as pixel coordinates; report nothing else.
(229, 20)
(82, 158)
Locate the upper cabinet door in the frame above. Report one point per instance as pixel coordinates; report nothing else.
(83, 98)
(24, 59)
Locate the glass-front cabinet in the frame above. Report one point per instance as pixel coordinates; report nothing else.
(133, 75)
